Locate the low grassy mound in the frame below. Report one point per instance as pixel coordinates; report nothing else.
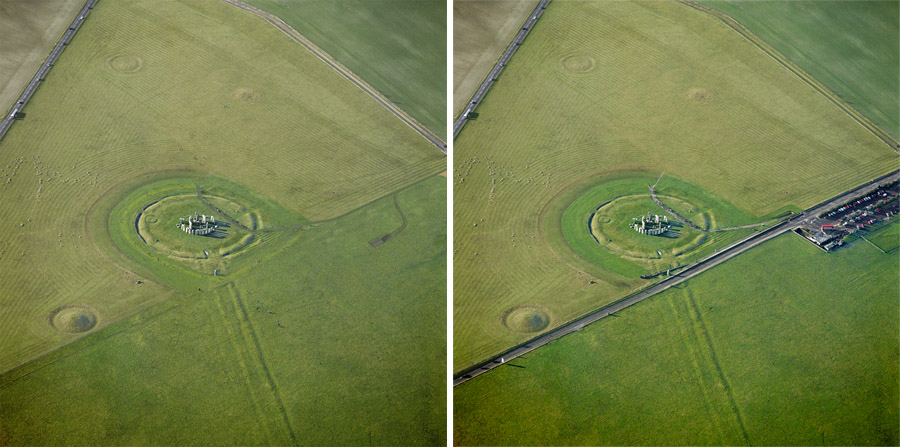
(526, 319)
(73, 319)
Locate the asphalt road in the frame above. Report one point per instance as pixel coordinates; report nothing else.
(495, 72)
(45, 67)
(805, 218)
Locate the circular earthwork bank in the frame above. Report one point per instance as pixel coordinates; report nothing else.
(525, 319)
(579, 63)
(72, 319)
(125, 63)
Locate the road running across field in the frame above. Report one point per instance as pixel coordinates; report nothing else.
(691, 271)
(344, 71)
(45, 67)
(495, 72)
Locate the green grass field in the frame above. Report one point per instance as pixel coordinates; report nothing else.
(397, 46)
(328, 342)
(127, 102)
(150, 102)
(849, 46)
(887, 238)
(610, 87)
(30, 30)
(783, 345)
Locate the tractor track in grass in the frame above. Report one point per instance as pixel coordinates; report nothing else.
(797, 71)
(344, 71)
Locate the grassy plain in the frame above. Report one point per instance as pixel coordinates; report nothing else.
(784, 345)
(851, 47)
(150, 89)
(603, 87)
(30, 30)
(481, 31)
(397, 46)
(328, 342)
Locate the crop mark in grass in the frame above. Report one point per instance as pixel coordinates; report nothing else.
(700, 327)
(250, 333)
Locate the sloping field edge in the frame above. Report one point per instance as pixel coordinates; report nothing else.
(344, 71)
(797, 71)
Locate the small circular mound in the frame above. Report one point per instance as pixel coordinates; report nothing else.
(73, 319)
(580, 63)
(125, 63)
(246, 95)
(152, 220)
(604, 219)
(526, 319)
(700, 95)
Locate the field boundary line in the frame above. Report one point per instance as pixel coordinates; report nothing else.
(344, 71)
(242, 314)
(700, 326)
(796, 70)
(38, 77)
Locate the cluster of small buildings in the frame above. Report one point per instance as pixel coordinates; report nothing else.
(651, 224)
(198, 224)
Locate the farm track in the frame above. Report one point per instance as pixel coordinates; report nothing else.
(45, 67)
(690, 271)
(495, 72)
(337, 66)
(378, 241)
(797, 71)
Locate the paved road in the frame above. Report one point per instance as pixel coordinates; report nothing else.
(695, 269)
(45, 67)
(356, 80)
(495, 72)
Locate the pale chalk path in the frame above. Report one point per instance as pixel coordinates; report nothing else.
(45, 67)
(691, 271)
(356, 80)
(495, 72)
